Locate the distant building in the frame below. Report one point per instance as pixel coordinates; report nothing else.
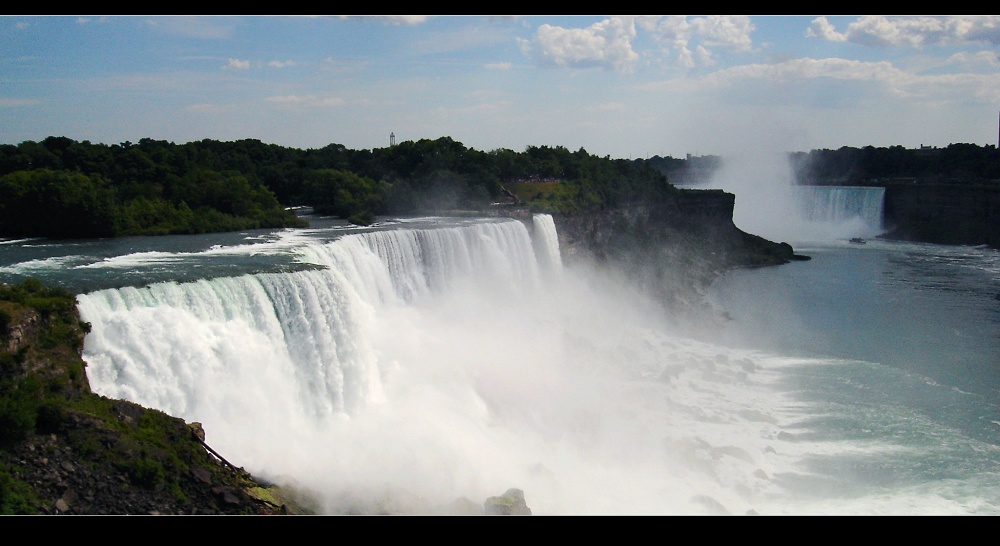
(392, 139)
(928, 150)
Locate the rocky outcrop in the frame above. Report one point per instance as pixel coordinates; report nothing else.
(511, 503)
(66, 450)
(19, 326)
(85, 465)
(673, 248)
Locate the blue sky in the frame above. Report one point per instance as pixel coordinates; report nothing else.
(622, 86)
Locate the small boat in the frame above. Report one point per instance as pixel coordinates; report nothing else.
(857, 240)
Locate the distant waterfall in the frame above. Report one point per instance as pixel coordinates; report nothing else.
(769, 203)
(861, 206)
(811, 213)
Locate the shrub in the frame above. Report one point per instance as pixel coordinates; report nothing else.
(17, 420)
(146, 473)
(16, 498)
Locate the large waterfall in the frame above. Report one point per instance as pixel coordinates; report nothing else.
(312, 333)
(436, 363)
(422, 366)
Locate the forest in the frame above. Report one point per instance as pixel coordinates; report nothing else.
(60, 187)
(63, 188)
(960, 163)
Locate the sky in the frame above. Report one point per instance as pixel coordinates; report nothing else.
(618, 86)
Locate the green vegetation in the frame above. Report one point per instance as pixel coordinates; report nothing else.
(29, 392)
(16, 497)
(960, 163)
(46, 402)
(62, 188)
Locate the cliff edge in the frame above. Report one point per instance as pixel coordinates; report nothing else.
(672, 249)
(67, 450)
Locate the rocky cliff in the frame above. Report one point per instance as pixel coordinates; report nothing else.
(958, 214)
(673, 248)
(66, 450)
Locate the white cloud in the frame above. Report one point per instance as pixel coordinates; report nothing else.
(822, 29)
(783, 73)
(403, 19)
(281, 64)
(685, 57)
(704, 56)
(395, 20)
(981, 29)
(606, 45)
(678, 34)
(498, 66)
(989, 59)
(730, 32)
(305, 101)
(881, 31)
(461, 39)
(21, 25)
(236, 64)
(892, 81)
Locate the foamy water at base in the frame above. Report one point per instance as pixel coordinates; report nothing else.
(397, 370)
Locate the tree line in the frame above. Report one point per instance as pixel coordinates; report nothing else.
(59, 187)
(959, 163)
(954, 164)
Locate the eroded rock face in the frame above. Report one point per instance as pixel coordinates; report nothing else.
(694, 225)
(673, 249)
(958, 214)
(22, 326)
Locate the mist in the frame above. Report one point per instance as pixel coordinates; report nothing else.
(770, 203)
(429, 367)
(422, 370)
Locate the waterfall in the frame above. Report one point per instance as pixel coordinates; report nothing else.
(547, 241)
(309, 331)
(240, 346)
(769, 203)
(810, 213)
(409, 368)
(854, 209)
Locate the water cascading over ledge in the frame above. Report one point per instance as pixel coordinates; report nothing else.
(311, 330)
(435, 364)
